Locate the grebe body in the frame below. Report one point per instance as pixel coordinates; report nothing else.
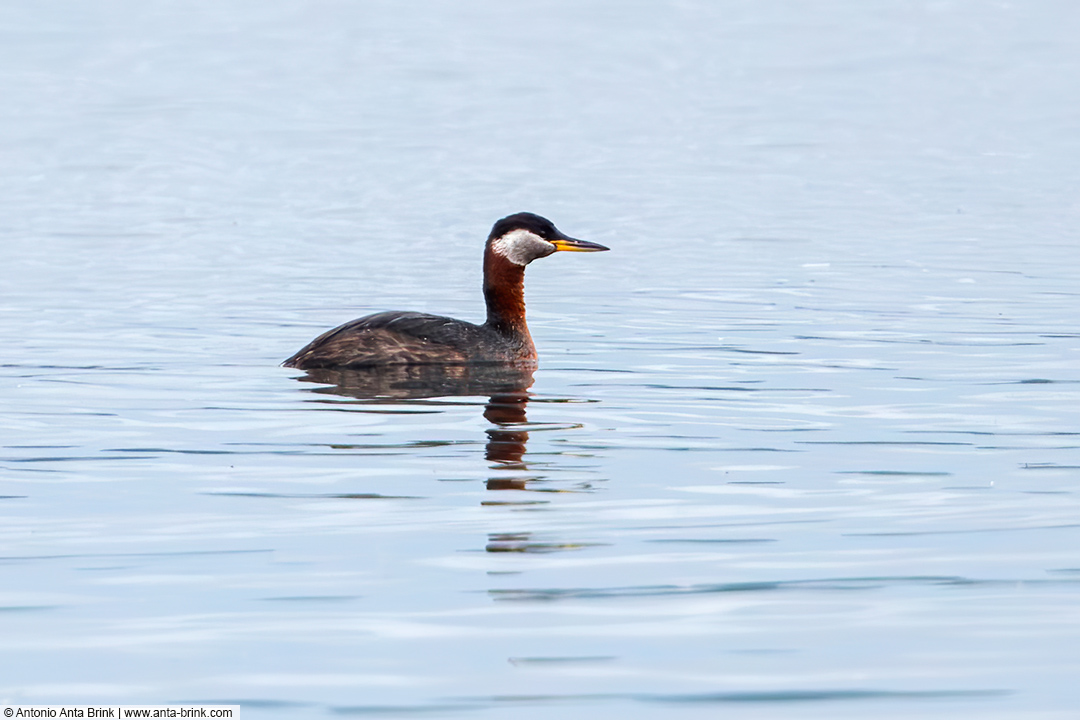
(412, 338)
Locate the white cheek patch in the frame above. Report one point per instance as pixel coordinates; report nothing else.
(521, 247)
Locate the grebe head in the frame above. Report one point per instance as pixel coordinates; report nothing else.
(524, 237)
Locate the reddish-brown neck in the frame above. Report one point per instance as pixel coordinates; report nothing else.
(504, 292)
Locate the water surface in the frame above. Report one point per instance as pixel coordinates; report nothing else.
(805, 444)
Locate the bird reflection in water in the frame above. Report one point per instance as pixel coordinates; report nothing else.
(506, 387)
(507, 440)
(507, 390)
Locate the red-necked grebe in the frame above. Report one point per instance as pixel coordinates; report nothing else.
(412, 338)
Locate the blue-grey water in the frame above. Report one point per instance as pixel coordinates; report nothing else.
(804, 444)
